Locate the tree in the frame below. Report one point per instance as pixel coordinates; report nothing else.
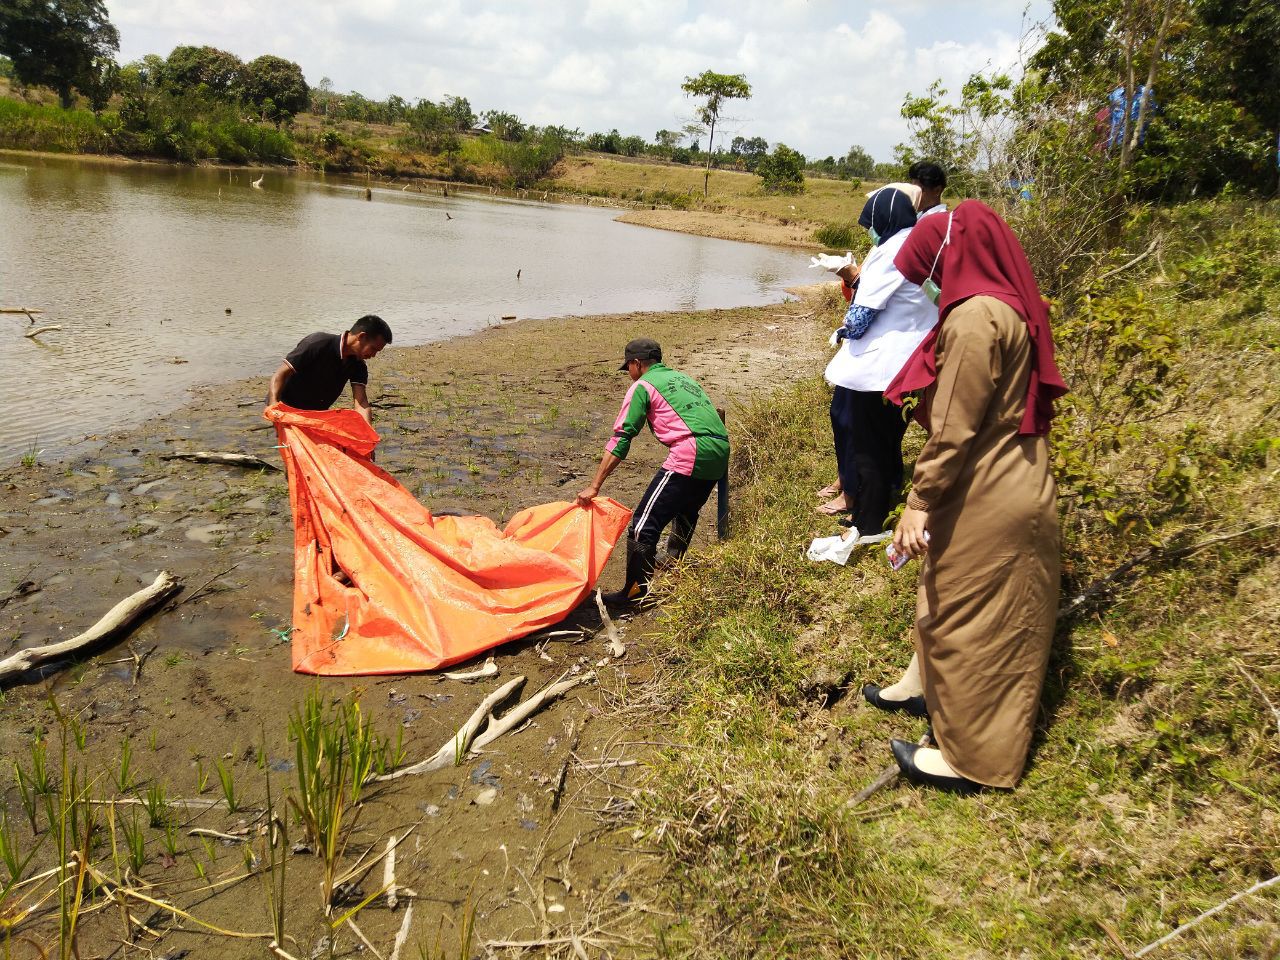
(750, 151)
(190, 67)
(459, 111)
(782, 171)
(858, 163)
(275, 87)
(714, 89)
(63, 44)
(504, 125)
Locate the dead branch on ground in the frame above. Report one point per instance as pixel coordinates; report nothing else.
(617, 648)
(246, 460)
(120, 617)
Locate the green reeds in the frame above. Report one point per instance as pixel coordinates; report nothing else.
(227, 781)
(124, 773)
(135, 842)
(154, 803)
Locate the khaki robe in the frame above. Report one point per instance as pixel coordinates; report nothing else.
(989, 583)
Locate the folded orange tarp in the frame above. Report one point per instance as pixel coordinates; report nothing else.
(382, 586)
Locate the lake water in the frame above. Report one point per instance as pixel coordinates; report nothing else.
(165, 278)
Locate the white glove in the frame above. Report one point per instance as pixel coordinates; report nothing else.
(834, 339)
(828, 262)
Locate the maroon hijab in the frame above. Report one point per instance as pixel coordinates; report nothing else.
(982, 258)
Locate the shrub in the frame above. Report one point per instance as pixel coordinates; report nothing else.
(782, 171)
(837, 236)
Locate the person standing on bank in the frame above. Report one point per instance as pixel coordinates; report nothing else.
(317, 370)
(684, 420)
(982, 510)
(884, 324)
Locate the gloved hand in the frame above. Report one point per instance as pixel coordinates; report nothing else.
(828, 262)
(834, 340)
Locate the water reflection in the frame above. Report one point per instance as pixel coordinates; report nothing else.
(140, 264)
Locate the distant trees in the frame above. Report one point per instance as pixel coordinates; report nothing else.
(275, 87)
(62, 44)
(188, 68)
(859, 163)
(748, 151)
(782, 171)
(713, 89)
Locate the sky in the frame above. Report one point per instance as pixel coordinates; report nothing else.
(825, 75)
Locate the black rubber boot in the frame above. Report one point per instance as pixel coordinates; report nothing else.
(641, 559)
(679, 536)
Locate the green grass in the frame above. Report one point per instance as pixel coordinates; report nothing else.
(1153, 788)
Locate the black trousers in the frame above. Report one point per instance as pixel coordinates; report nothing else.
(867, 431)
(670, 497)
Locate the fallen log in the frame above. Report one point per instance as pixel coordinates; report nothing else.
(39, 330)
(120, 617)
(617, 648)
(246, 460)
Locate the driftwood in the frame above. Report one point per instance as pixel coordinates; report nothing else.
(616, 647)
(27, 310)
(246, 460)
(456, 747)
(120, 617)
(518, 714)
(402, 935)
(485, 670)
(39, 330)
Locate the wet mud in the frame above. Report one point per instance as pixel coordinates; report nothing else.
(510, 417)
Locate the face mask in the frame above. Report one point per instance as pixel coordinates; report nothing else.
(875, 237)
(931, 289)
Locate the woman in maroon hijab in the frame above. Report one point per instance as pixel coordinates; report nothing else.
(982, 509)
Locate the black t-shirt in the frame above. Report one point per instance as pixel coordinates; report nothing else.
(320, 372)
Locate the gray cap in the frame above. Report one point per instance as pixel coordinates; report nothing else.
(641, 348)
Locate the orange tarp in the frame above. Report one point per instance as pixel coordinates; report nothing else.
(382, 586)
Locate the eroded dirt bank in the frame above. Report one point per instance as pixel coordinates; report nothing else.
(510, 417)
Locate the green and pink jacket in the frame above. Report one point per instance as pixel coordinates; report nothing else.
(682, 418)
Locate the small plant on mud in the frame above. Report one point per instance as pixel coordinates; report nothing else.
(124, 775)
(226, 779)
(11, 853)
(135, 841)
(31, 457)
(153, 802)
(335, 752)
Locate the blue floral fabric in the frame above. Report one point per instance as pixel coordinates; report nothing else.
(856, 321)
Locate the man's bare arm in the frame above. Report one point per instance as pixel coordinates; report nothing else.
(361, 396)
(278, 380)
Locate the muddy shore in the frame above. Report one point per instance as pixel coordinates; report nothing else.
(490, 423)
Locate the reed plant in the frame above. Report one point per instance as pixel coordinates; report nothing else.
(124, 774)
(153, 801)
(226, 779)
(135, 842)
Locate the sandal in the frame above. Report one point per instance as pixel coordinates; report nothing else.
(836, 506)
(830, 490)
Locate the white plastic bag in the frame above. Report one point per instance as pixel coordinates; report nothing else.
(836, 549)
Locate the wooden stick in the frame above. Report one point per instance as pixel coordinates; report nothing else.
(1206, 915)
(27, 310)
(389, 873)
(616, 647)
(402, 935)
(454, 749)
(1155, 552)
(487, 669)
(518, 714)
(887, 776)
(363, 939)
(29, 334)
(246, 460)
(118, 618)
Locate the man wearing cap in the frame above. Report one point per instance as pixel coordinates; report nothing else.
(685, 421)
(317, 370)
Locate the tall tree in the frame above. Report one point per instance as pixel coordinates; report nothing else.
(189, 67)
(276, 87)
(63, 44)
(713, 89)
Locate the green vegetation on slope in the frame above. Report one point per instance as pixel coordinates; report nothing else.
(1152, 790)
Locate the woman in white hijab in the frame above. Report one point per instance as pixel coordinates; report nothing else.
(886, 321)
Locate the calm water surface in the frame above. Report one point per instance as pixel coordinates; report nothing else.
(139, 265)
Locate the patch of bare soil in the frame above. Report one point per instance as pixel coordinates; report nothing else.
(726, 226)
(532, 838)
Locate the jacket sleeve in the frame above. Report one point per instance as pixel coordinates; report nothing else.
(631, 420)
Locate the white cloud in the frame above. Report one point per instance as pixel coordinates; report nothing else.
(824, 74)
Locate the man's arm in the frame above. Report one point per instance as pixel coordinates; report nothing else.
(278, 380)
(361, 397)
(608, 463)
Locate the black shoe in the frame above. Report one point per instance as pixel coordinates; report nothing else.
(905, 754)
(912, 705)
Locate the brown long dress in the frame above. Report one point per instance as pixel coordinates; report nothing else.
(989, 585)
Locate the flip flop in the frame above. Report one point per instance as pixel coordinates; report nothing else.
(835, 507)
(830, 490)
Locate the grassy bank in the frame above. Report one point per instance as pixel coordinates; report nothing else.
(1151, 793)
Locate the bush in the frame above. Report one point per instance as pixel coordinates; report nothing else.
(837, 236)
(782, 171)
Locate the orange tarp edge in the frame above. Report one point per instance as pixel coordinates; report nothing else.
(382, 586)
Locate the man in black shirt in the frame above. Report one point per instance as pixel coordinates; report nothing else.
(315, 372)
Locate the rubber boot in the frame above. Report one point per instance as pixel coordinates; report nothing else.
(641, 559)
(679, 535)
